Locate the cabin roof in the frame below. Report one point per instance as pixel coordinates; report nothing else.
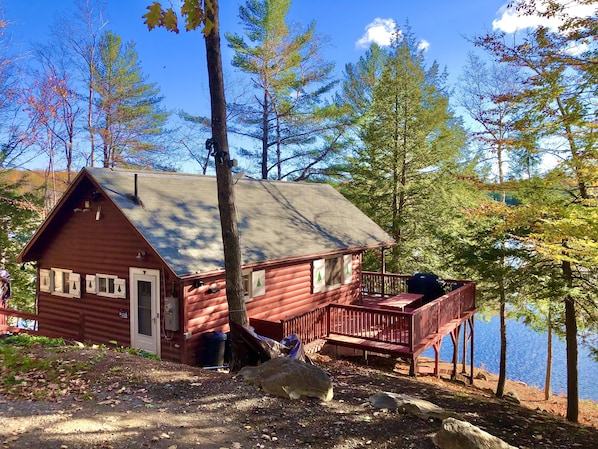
(177, 214)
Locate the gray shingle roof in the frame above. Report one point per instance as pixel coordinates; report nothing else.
(276, 220)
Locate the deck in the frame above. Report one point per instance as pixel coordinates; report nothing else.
(388, 320)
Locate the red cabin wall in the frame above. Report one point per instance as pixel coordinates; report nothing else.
(288, 293)
(77, 241)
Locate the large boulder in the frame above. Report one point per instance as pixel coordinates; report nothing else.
(291, 378)
(457, 434)
(408, 404)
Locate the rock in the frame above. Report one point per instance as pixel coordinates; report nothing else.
(480, 376)
(291, 378)
(457, 434)
(407, 404)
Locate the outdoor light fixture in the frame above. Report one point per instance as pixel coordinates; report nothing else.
(140, 254)
(197, 283)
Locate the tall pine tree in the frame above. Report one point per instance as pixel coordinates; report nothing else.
(286, 111)
(409, 140)
(128, 109)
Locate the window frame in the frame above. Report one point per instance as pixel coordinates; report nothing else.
(254, 284)
(72, 284)
(117, 283)
(321, 280)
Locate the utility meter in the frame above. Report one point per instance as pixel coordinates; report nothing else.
(171, 313)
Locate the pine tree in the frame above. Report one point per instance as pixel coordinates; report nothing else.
(128, 108)
(400, 172)
(297, 130)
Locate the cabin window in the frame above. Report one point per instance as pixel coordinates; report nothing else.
(331, 273)
(254, 284)
(61, 282)
(109, 285)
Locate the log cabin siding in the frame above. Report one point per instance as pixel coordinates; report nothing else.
(288, 293)
(114, 244)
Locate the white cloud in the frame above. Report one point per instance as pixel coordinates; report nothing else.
(511, 21)
(379, 31)
(423, 45)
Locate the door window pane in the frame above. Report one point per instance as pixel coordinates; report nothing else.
(144, 308)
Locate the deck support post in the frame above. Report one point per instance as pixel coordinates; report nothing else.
(413, 367)
(470, 320)
(464, 355)
(455, 338)
(436, 347)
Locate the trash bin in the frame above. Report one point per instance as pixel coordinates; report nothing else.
(215, 344)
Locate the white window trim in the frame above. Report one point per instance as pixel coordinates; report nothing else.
(90, 283)
(56, 289)
(118, 282)
(347, 268)
(45, 280)
(247, 273)
(256, 283)
(319, 273)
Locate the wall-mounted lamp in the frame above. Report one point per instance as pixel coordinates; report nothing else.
(140, 254)
(24, 265)
(197, 283)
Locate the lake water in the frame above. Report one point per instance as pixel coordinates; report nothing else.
(526, 357)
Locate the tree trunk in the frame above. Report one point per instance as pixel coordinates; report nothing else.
(265, 136)
(90, 120)
(548, 356)
(237, 312)
(571, 339)
(502, 375)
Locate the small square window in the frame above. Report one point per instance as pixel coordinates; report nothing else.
(111, 286)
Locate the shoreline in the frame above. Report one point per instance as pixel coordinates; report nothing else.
(518, 392)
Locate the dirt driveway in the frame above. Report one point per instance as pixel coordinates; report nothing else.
(109, 399)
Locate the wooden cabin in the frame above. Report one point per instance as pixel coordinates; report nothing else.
(135, 258)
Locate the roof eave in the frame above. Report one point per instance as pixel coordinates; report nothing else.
(292, 259)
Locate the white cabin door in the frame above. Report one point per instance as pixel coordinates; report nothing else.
(145, 309)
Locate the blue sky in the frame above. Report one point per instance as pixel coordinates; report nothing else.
(177, 62)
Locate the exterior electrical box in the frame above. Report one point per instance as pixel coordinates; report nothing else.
(171, 313)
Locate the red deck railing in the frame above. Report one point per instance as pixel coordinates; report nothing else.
(385, 326)
(65, 329)
(368, 322)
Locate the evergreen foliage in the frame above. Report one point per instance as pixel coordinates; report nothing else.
(298, 131)
(129, 117)
(19, 217)
(408, 144)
